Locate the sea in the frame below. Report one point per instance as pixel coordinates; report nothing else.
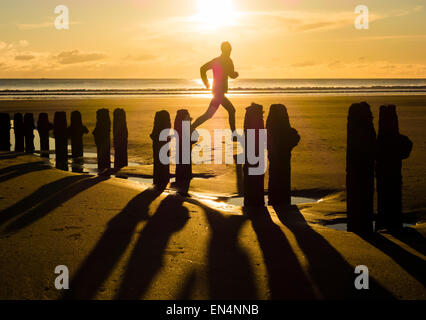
(95, 88)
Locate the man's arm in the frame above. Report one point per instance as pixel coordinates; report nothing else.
(203, 73)
(232, 73)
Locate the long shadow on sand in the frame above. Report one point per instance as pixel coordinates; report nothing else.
(37, 197)
(21, 169)
(147, 256)
(99, 264)
(411, 263)
(333, 275)
(230, 274)
(285, 274)
(73, 187)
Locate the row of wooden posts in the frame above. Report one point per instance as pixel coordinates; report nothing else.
(281, 140)
(368, 155)
(24, 127)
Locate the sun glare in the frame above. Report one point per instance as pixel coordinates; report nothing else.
(213, 14)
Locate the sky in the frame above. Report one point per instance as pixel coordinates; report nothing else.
(173, 38)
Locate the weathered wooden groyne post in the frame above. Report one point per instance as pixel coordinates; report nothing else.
(43, 128)
(161, 171)
(18, 128)
(4, 132)
(360, 158)
(29, 132)
(120, 136)
(253, 180)
(76, 130)
(392, 148)
(282, 138)
(102, 134)
(61, 140)
(183, 145)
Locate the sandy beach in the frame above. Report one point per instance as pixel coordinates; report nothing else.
(122, 240)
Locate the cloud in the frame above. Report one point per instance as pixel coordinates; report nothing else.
(32, 26)
(76, 56)
(24, 57)
(141, 57)
(304, 64)
(41, 25)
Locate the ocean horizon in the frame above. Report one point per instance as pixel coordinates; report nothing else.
(90, 88)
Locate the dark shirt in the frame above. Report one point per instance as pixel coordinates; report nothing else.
(222, 67)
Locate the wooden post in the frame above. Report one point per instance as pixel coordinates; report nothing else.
(392, 148)
(18, 128)
(120, 134)
(43, 128)
(161, 171)
(61, 140)
(360, 156)
(5, 132)
(282, 138)
(29, 132)
(253, 184)
(102, 134)
(183, 143)
(76, 131)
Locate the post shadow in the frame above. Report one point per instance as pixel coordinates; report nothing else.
(360, 157)
(187, 287)
(21, 169)
(18, 128)
(4, 131)
(102, 135)
(411, 263)
(29, 132)
(230, 273)
(101, 261)
(282, 138)
(53, 202)
(76, 131)
(253, 184)
(392, 148)
(239, 174)
(120, 134)
(61, 140)
(43, 128)
(183, 157)
(146, 259)
(37, 198)
(161, 171)
(286, 277)
(332, 274)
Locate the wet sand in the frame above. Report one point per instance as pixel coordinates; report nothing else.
(121, 240)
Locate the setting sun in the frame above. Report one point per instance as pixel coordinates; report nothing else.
(213, 14)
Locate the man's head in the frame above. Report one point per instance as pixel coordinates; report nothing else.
(226, 48)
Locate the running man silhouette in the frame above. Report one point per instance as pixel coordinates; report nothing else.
(222, 67)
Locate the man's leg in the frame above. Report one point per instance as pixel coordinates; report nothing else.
(214, 104)
(231, 111)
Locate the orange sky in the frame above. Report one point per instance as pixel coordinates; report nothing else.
(172, 38)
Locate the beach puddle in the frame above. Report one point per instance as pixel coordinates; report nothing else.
(343, 225)
(239, 201)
